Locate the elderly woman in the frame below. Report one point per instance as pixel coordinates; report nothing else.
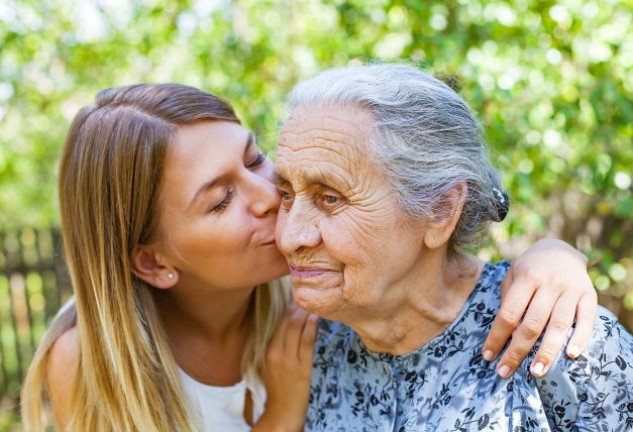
(385, 183)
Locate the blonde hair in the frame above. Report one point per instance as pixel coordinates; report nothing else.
(127, 379)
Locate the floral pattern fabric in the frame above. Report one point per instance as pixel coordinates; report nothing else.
(446, 385)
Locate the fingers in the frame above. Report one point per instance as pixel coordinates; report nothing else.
(526, 334)
(287, 370)
(294, 337)
(507, 281)
(294, 332)
(552, 278)
(556, 334)
(585, 317)
(277, 342)
(308, 338)
(518, 296)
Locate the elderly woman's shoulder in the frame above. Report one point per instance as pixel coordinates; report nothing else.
(610, 344)
(610, 338)
(602, 376)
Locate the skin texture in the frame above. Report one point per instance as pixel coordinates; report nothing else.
(354, 256)
(333, 219)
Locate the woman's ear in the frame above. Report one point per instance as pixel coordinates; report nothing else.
(146, 266)
(446, 215)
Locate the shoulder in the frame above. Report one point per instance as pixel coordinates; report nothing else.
(61, 367)
(608, 354)
(610, 342)
(64, 353)
(493, 273)
(598, 382)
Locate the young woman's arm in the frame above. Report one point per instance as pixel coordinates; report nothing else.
(547, 285)
(287, 372)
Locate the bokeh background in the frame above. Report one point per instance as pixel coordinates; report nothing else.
(552, 83)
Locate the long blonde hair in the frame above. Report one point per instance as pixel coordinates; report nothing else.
(127, 379)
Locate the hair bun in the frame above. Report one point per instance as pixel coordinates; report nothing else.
(502, 201)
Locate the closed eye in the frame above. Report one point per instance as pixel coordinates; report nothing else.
(222, 205)
(261, 157)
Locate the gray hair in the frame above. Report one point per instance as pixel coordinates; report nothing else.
(425, 138)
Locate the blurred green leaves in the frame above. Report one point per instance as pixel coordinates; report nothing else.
(552, 83)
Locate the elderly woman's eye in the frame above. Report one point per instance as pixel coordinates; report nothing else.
(330, 199)
(286, 198)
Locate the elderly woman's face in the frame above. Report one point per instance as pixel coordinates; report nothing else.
(339, 225)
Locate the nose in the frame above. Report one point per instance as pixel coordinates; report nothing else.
(298, 227)
(263, 196)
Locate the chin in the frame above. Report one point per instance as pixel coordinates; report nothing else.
(315, 301)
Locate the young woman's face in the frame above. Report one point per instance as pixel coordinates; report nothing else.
(219, 208)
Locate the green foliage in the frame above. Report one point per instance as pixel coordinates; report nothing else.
(552, 83)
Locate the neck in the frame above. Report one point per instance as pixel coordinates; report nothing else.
(214, 315)
(420, 307)
(207, 330)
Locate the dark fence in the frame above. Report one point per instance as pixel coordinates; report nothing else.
(34, 283)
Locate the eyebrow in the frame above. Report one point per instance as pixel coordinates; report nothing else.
(280, 179)
(314, 180)
(209, 184)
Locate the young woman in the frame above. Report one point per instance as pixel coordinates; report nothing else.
(179, 317)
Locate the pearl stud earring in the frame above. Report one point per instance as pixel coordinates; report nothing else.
(170, 276)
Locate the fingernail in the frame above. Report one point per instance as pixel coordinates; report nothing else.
(538, 368)
(503, 371)
(488, 355)
(574, 350)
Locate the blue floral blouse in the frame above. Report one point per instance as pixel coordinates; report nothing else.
(446, 385)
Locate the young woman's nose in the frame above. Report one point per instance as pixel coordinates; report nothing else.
(263, 195)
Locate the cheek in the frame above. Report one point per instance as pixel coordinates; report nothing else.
(346, 241)
(280, 226)
(211, 243)
(213, 237)
(369, 247)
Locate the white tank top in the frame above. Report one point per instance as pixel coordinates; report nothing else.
(222, 408)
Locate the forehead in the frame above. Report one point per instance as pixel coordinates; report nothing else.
(330, 142)
(199, 152)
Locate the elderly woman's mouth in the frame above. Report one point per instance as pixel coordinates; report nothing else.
(308, 273)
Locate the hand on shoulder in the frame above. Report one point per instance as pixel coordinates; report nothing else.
(287, 371)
